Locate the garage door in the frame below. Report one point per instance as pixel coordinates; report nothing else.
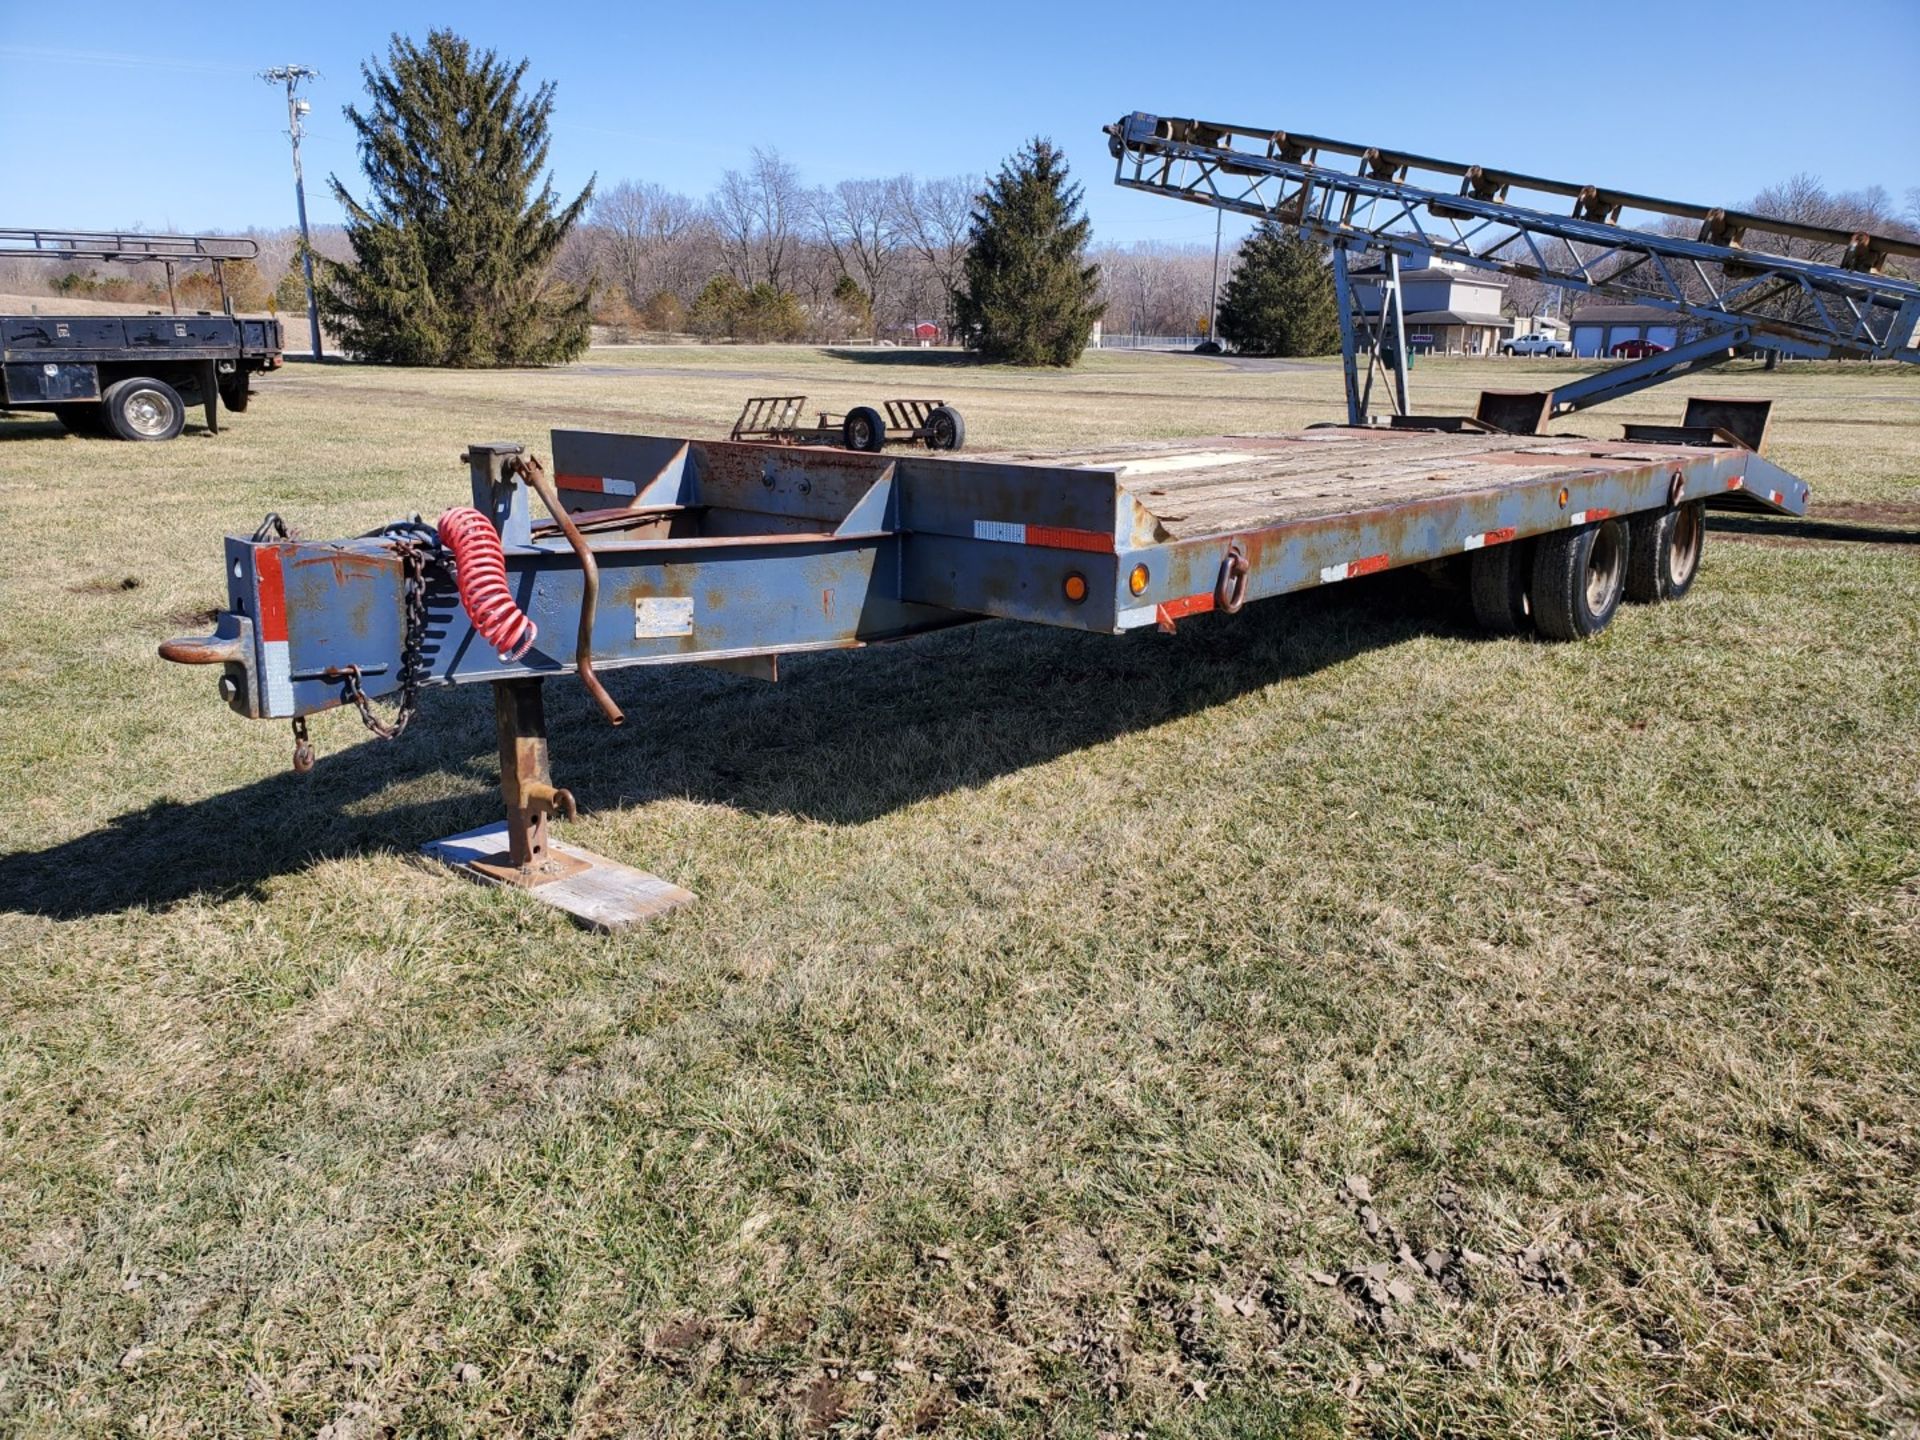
(1665, 335)
(1586, 339)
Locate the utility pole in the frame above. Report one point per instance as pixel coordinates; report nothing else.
(291, 76)
(1213, 301)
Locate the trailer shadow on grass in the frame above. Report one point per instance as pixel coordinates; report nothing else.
(842, 739)
(909, 356)
(34, 425)
(1878, 531)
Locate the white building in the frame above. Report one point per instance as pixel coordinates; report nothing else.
(1450, 309)
(1598, 328)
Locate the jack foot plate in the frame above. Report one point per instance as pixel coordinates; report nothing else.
(600, 893)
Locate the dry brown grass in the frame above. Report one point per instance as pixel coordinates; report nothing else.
(1059, 1015)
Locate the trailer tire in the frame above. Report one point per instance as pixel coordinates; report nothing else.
(142, 408)
(945, 429)
(863, 429)
(1579, 577)
(1663, 552)
(1499, 579)
(234, 391)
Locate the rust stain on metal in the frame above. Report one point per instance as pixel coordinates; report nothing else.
(346, 565)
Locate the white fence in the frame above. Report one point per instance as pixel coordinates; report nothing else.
(1147, 342)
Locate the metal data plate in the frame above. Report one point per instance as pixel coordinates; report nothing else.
(656, 616)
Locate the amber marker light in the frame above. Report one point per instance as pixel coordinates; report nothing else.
(1137, 581)
(1076, 587)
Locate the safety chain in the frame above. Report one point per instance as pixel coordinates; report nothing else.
(414, 555)
(417, 546)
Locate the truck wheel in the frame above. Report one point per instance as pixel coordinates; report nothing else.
(945, 429)
(863, 429)
(1663, 552)
(234, 392)
(144, 409)
(86, 418)
(1578, 578)
(1498, 579)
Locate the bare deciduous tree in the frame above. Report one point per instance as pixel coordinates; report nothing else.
(859, 222)
(757, 213)
(1156, 288)
(648, 240)
(934, 218)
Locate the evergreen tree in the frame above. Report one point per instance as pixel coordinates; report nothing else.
(854, 304)
(1279, 299)
(1029, 296)
(452, 249)
(718, 307)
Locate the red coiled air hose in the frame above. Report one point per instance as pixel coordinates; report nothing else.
(480, 571)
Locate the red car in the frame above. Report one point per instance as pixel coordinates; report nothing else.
(1637, 349)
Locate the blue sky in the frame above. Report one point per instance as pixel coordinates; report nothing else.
(1704, 101)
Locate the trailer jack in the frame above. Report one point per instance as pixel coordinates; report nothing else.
(521, 851)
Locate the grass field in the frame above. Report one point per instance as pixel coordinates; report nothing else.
(1324, 1021)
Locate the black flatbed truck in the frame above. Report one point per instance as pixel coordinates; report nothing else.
(133, 376)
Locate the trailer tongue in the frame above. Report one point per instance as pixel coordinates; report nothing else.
(661, 551)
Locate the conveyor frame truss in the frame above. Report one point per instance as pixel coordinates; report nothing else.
(1366, 199)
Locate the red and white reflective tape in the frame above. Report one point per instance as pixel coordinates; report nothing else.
(1169, 611)
(1365, 565)
(597, 484)
(1166, 612)
(1051, 537)
(276, 666)
(1488, 537)
(1587, 517)
(1738, 482)
(1776, 497)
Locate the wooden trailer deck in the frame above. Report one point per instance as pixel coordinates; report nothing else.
(1233, 483)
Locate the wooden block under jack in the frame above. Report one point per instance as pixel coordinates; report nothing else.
(600, 893)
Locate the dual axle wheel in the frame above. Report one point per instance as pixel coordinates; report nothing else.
(1567, 585)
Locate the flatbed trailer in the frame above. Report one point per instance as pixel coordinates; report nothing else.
(663, 551)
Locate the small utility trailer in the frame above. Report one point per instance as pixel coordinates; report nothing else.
(133, 376)
(780, 420)
(659, 551)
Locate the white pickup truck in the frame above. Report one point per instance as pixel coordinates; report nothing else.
(1536, 345)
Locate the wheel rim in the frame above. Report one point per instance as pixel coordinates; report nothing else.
(148, 412)
(1683, 544)
(862, 434)
(942, 433)
(1606, 568)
